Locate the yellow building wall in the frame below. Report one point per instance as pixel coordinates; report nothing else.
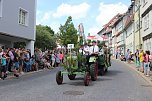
(137, 34)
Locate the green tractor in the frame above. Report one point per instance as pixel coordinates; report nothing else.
(74, 64)
(104, 58)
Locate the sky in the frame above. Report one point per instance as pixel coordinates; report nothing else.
(92, 13)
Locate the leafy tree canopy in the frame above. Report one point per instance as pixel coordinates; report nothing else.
(68, 33)
(45, 38)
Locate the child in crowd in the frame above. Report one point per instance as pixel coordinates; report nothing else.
(57, 59)
(147, 63)
(61, 57)
(3, 67)
(53, 58)
(33, 63)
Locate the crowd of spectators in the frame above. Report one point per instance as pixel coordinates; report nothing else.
(19, 61)
(142, 59)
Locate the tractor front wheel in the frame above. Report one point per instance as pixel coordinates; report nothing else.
(86, 79)
(93, 72)
(59, 78)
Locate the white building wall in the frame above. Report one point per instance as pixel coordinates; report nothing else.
(10, 28)
(129, 38)
(146, 30)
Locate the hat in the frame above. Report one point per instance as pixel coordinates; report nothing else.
(93, 41)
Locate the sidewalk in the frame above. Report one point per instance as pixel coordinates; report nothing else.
(132, 65)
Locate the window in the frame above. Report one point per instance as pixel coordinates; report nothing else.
(140, 23)
(137, 25)
(23, 17)
(122, 37)
(148, 46)
(144, 2)
(137, 5)
(146, 22)
(1, 2)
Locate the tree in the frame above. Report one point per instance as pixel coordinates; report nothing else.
(49, 30)
(45, 38)
(68, 33)
(19, 44)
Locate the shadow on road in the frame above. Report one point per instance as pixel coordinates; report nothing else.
(103, 79)
(113, 72)
(79, 82)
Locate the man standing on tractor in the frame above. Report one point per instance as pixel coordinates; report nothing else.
(94, 49)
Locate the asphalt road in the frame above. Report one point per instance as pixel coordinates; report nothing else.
(121, 83)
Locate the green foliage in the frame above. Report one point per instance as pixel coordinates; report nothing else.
(49, 30)
(101, 44)
(89, 41)
(19, 45)
(70, 63)
(45, 38)
(68, 33)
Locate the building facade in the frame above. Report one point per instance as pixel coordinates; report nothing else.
(17, 22)
(119, 44)
(129, 29)
(133, 30)
(137, 26)
(146, 31)
(109, 32)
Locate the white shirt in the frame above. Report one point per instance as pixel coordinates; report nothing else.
(150, 57)
(86, 50)
(93, 49)
(80, 51)
(1, 55)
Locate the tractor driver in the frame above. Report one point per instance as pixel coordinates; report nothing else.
(94, 49)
